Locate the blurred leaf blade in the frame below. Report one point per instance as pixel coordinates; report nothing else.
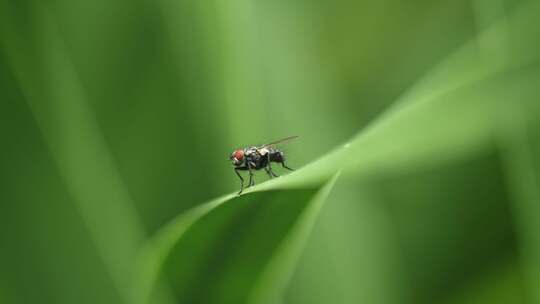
(519, 142)
(157, 249)
(227, 234)
(274, 279)
(144, 100)
(76, 143)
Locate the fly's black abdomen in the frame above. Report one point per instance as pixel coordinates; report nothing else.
(277, 157)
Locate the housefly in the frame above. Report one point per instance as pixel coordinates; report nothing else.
(258, 157)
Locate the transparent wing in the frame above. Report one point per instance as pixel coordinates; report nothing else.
(283, 140)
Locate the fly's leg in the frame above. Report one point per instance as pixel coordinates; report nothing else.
(285, 166)
(270, 172)
(268, 168)
(241, 180)
(251, 180)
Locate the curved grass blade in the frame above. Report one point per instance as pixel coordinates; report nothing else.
(446, 117)
(278, 271)
(233, 237)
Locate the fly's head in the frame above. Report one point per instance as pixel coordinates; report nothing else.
(237, 157)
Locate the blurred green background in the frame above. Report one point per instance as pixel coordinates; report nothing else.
(118, 116)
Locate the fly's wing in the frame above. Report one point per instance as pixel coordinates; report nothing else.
(283, 140)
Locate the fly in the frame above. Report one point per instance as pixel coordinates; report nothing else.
(258, 157)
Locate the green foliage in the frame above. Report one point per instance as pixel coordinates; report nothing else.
(117, 117)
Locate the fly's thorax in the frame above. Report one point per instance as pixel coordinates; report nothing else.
(249, 151)
(264, 150)
(252, 155)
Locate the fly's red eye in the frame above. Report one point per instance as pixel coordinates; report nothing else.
(239, 154)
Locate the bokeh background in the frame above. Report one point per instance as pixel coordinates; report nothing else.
(118, 116)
